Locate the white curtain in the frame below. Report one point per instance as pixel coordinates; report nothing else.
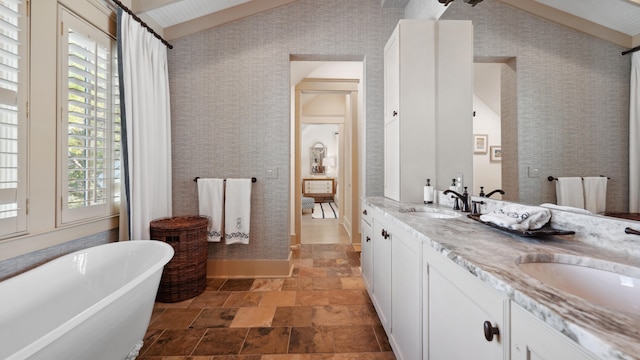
(144, 81)
(634, 135)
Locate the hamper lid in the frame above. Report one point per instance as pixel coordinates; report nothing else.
(179, 222)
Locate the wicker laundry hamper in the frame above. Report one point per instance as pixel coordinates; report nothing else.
(185, 276)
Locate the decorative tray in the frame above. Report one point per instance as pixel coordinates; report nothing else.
(546, 230)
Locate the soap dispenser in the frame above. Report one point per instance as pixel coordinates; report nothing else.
(428, 193)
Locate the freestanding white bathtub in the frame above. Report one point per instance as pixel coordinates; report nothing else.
(91, 304)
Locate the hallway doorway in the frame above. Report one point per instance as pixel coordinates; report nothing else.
(326, 92)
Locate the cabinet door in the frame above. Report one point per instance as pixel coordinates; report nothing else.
(531, 339)
(382, 272)
(392, 118)
(366, 260)
(458, 309)
(406, 306)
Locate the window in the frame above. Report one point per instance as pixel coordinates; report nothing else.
(13, 117)
(90, 139)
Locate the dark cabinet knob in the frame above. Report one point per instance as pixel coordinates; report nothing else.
(385, 234)
(364, 212)
(395, 113)
(490, 330)
(368, 239)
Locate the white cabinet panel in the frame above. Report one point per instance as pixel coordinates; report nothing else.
(459, 307)
(531, 339)
(382, 272)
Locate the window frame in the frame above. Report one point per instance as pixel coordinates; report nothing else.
(110, 207)
(17, 225)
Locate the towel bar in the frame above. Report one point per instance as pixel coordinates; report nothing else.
(253, 179)
(551, 178)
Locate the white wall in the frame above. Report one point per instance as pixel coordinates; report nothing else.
(323, 133)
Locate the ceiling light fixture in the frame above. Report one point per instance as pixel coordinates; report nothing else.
(472, 2)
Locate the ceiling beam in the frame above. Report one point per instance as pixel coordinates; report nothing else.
(222, 17)
(572, 21)
(140, 6)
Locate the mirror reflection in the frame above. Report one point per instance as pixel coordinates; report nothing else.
(318, 153)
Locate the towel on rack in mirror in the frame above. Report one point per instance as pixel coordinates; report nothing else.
(237, 211)
(518, 217)
(569, 192)
(210, 205)
(595, 194)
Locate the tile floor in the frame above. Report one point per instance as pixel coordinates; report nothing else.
(322, 312)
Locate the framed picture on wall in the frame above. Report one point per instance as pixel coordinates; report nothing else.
(480, 143)
(496, 153)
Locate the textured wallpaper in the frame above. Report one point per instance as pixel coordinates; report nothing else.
(230, 105)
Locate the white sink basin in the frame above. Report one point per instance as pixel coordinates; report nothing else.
(612, 285)
(430, 213)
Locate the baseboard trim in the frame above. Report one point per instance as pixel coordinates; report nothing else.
(224, 268)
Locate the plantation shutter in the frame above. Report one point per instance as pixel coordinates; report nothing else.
(90, 117)
(12, 117)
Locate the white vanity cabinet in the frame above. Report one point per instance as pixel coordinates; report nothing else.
(428, 95)
(392, 273)
(532, 339)
(406, 304)
(366, 255)
(467, 318)
(381, 281)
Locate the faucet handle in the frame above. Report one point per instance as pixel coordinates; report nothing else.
(481, 191)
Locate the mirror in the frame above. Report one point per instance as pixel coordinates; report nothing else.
(568, 96)
(318, 152)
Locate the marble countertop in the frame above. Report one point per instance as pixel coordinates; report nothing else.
(490, 254)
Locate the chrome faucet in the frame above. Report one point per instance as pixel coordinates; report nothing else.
(464, 198)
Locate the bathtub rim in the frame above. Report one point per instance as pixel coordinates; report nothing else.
(38, 344)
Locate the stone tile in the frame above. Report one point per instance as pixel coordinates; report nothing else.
(352, 282)
(383, 340)
(312, 272)
(150, 338)
(363, 314)
(267, 285)
(221, 342)
(210, 299)
(327, 283)
(179, 304)
(288, 357)
(347, 297)
(324, 263)
(254, 317)
(175, 342)
(175, 319)
(331, 315)
(312, 297)
(215, 318)
(339, 272)
(243, 299)
(300, 316)
(266, 340)
(356, 338)
(311, 340)
(300, 283)
(278, 298)
(214, 284)
(237, 285)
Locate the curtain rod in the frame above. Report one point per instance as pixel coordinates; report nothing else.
(144, 25)
(631, 50)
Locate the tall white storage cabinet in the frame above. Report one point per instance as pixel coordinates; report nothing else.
(428, 88)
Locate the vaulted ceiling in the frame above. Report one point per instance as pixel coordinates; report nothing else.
(616, 21)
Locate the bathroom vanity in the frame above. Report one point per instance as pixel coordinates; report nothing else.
(448, 287)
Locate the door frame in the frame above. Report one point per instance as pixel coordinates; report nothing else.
(349, 167)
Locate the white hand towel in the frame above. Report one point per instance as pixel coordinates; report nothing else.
(518, 217)
(569, 192)
(237, 211)
(210, 205)
(566, 208)
(595, 194)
